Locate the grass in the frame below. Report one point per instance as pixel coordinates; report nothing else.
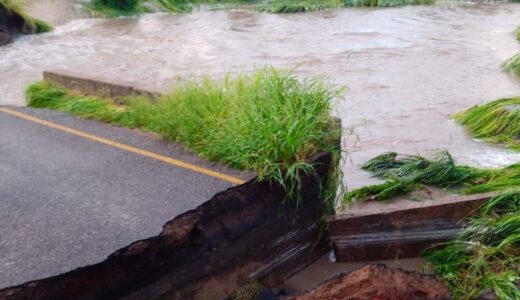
(485, 255)
(512, 65)
(385, 3)
(406, 173)
(496, 122)
(295, 6)
(114, 8)
(176, 6)
(15, 7)
(117, 8)
(269, 122)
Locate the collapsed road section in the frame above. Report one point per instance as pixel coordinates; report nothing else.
(97, 196)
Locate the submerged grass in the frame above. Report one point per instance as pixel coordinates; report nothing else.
(405, 173)
(269, 122)
(119, 7)
(512, 65)
(15, 7)
(497, 121)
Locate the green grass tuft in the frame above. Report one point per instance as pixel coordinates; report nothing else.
(269, 122)
(496, 122)
(15, 7)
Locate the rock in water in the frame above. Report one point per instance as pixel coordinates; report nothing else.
(5, 37)
(378, 282)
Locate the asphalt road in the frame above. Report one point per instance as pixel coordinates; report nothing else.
(67, 200)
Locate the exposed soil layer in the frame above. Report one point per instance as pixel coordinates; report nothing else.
(380, 283)
(12, 24)
(246, 232)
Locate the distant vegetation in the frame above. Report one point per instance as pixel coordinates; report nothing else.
(32, 25)
(115, 8)
(513, 64)
(125, 7)
(270, 122)
(294, 6)
(385, 3)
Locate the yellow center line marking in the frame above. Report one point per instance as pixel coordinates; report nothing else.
(85, 135)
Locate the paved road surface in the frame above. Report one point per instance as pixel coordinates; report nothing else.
(73, 191)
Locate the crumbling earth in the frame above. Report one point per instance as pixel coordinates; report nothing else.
(378, 282)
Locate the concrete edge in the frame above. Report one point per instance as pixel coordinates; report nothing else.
(97, 87)
(403, 232)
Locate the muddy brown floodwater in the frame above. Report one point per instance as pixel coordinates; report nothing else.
(407, 68)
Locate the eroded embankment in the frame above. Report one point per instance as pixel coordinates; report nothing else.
(246, 232)
(260, 230)
(14, 21)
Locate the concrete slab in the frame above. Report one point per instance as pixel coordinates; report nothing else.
(66, 201)
(400, 228)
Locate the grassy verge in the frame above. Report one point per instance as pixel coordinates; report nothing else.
(486, 254)
(269, 122)
(496, 122)
(15, 7)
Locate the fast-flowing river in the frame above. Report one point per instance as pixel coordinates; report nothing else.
(407, 68)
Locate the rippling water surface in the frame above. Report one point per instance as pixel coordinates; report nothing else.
(407, 69)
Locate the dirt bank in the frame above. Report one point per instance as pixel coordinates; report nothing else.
(378, 282)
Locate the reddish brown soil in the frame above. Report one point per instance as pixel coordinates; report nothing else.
(378, 282)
